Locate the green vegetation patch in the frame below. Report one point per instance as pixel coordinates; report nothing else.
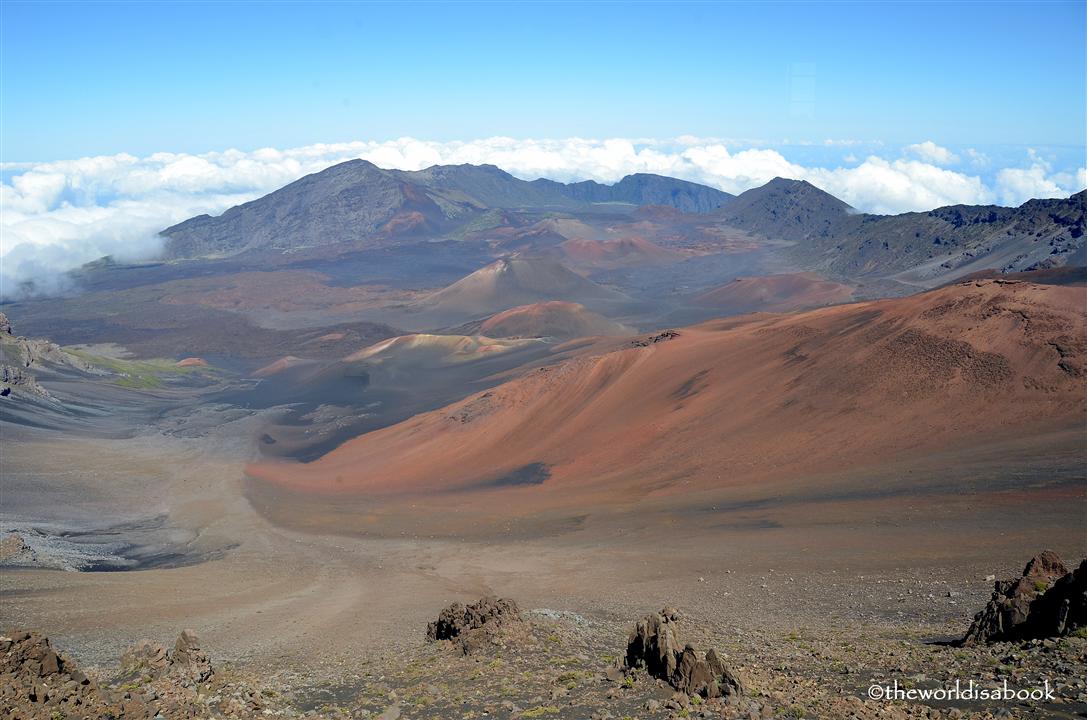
(138, 374)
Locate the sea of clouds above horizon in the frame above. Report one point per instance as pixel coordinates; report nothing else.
(55, 216)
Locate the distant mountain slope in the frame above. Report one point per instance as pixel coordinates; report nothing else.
(790, 209)
(340, 204)
(645, 189)
(924, 248)
(487, 186)
(358, 202)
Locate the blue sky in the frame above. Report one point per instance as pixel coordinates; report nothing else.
(82, 79)
(120, 119)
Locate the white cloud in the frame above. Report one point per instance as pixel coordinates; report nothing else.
(932, 153)
(58, 215)
(1017, 185)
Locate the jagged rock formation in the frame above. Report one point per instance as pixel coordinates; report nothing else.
(16, 377)
(655, 645)
(1047, 601)
(37, 682)
(145, 658)
(188, 662)
(477, 625)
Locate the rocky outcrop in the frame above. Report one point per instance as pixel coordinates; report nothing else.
(36, 681)
(12, 377)
(145, 659)
(474, 627)
(656, 645)
(20, 355)
(1047, 601)
(653, 340)
(188, 663)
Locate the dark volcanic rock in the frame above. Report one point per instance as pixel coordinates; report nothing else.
(658, 338)
(1048, 600)
(477, 625)
(36, 681)
(655, 645)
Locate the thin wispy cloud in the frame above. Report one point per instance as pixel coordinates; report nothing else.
(59, 215)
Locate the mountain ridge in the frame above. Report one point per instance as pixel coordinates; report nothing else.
(921, 248)
(358, 202)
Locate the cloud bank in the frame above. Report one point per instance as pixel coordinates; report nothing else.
(58, 215)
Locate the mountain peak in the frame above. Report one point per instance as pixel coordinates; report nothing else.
(782, 206)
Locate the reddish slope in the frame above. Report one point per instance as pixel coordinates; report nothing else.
(732, 402)
(775, 293)
(555, 318)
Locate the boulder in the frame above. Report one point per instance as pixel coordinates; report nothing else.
(478, 625)
(1047, 600)
(655, 645)
(1062, 609)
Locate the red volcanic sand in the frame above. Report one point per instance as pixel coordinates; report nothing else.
(730, 402)
(192, 362)
(776, 293)
(555, 318)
